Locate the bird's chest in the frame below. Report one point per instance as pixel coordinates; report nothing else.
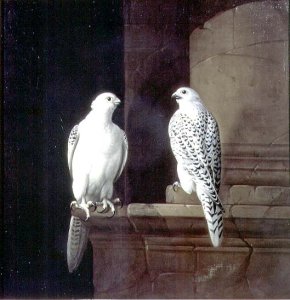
(96, 141)
(95, 147)
(187, 133)
(185, 124)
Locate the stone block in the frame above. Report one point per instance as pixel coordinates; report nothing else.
(260, 195)
(278, 212)
(260, 22)
(248, 176)
(118, 261)
(261, 212)
(282, 243)
(272, 195)
(215, 266)
(206, 42)
(263, 228)
(141, 290)
(169, 255)
(268, 273)
(190, 226)
(174, 286)
(180, 196)
(241, 194)
(164, 210)
(166, 259)
(224, 194)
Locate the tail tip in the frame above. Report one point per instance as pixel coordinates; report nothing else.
(71, 267)
(216, 240)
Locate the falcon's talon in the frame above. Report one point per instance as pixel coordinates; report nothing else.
(102, 211)
(121, 204)
(91, 205)
(176, 186)
(112, 206)
(117, 202)
(100, 204)
(73, 205)
(86, 210)
(107, 205)
(114, 212)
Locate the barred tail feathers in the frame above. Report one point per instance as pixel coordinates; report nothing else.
(77, 243)
(214, 217)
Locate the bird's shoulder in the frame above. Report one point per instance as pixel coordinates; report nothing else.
(117, 129)
(187, 118)
(73, 135)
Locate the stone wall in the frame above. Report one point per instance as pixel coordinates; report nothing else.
(239, 65)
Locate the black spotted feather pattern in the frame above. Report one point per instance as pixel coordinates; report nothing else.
(78, 232)
(195, 143)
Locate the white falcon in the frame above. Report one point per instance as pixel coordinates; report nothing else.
(97, 153)
(195, 142)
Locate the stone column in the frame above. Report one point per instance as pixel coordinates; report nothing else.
(239, 65)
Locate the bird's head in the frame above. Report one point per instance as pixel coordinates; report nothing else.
(186, 96)
(105, 102)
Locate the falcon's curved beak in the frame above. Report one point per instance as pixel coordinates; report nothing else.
(117, 101)
(175, 97)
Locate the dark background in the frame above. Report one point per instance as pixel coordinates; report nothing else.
(57, 56)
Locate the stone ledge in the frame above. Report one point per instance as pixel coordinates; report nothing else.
(265, 195)
(183, 211)
(256, 164)
(170, 219)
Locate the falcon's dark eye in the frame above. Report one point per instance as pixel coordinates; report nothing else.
(109, 98)
(183, 91)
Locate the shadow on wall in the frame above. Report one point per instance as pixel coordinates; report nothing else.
(151, 162)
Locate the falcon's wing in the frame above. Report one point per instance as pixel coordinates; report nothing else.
(213, 148)
(124, 155)
(72, 143)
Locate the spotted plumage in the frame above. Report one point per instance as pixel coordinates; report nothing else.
(73, 135)
(195, 142)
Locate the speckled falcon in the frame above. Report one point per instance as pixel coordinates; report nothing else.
(195, 142)
(97, 153)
